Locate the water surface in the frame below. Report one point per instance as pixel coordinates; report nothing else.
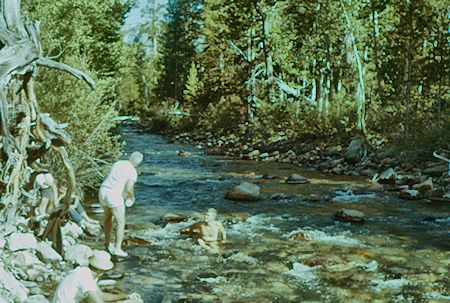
(400, 253)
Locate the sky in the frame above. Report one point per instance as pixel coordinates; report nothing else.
(134, 16)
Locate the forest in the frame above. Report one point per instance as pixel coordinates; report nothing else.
(266, 70)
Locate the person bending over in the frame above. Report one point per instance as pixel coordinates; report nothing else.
(118, 185)
(81, 283)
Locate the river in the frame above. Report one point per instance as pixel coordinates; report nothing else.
(399, 254)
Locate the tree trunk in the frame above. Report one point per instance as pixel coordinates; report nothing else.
(361, 95)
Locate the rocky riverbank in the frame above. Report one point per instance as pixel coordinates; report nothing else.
(30, 269)
(409, 177)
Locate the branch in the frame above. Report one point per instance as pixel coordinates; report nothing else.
(64, 67)
(292, 91)
(238, 50)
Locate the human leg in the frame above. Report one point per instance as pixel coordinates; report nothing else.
(107, 225)
(42, 209)
(119, 215)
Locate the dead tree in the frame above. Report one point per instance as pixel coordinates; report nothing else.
(25, 133)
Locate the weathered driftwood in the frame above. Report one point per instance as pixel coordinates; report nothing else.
(26, 134)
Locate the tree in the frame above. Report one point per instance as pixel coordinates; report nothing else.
(87, 34)
(26, 133)
(179, 46)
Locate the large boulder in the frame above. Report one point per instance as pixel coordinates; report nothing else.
(356, 151)
(245, 191)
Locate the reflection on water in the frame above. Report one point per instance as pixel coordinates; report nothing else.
(400, 253)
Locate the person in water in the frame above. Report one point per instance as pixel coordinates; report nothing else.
(81, 283)
(207, 232)
(118, 185)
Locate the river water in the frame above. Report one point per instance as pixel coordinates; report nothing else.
(400, 254)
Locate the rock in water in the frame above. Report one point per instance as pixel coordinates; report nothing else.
(296, 179)
(245, 191)
(410, 194)
(174, 218)
(350, 215)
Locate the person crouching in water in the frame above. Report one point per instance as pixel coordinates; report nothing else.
(81, 283)
(207, 232)
(118, 185)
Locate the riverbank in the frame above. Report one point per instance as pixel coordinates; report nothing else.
(411, 174)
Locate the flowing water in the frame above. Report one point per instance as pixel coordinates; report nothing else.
(400, 253)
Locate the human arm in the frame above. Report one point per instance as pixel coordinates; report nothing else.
(49, 181)
(222, 231)
(76, 201)
(99, 296)
(129, 190)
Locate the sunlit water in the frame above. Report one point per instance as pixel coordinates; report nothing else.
(400, 253)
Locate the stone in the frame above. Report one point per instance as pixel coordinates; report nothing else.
(410, 194)
(300, 236)
(324, 261)
(36, 299)
(264, 155)
(174, 218)
(245, 191)
(436, 193)
(278, 196)
(47, 253)
(356, 151)
(19, 241)
(388, 176)
(78, 254)
(424, 186)
(25, 259)
(296, 179)
(253, 154)
(72, 229)
(269, 176)
(17, 290)
(350, 215)
(436, 171)
(34, 275)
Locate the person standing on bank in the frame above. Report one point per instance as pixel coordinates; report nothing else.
(117, 187)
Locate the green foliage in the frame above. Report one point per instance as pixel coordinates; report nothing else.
(178, 49)
(308, 69)
(86, 35)
(193, 85)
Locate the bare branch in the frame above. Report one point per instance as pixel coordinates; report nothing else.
(64, 67)
(238, 50)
